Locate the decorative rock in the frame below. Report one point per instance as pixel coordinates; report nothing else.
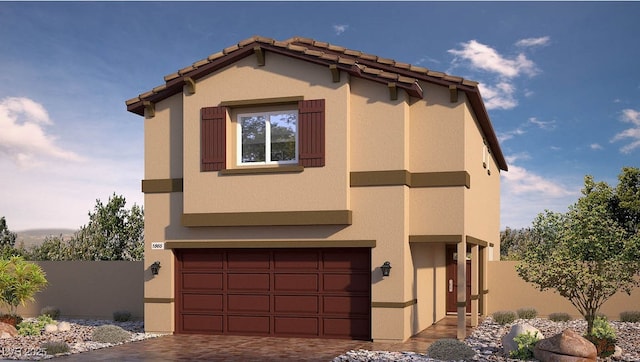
(567, 346)
(50, 328)
(617, 353)
(64, 326)
(508, 342)
(7, 331)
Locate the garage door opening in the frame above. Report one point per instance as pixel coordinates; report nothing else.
(316, 293)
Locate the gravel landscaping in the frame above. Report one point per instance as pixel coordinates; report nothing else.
(486, 341)
(78, 338)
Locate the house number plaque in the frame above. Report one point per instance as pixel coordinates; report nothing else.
(157, 245)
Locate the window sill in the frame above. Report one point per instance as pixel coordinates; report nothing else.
(260, 170)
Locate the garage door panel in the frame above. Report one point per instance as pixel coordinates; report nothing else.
(296, 282)
(248, 260)
(297, 326)
(203, 259)
(346, 260)
(346, 328)
(292, 259)
(322, 292)
(248, 324)
(202, 323)
(202, 302)
(202, 281)
(345, 282)
(248, 303)
(248, 282)
(346, 305)
(294, 304)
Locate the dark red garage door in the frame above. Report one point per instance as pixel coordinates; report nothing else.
(320, 293)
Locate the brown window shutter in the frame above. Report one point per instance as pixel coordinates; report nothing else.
(213, 138)
(311, 133)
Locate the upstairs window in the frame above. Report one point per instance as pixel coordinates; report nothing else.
(268, 138)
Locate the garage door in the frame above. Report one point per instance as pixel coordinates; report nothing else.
(319, 293)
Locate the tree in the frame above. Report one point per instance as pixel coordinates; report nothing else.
(113, 233)
(586, 255)
(7, 238)
(19, 282)
(513, 242)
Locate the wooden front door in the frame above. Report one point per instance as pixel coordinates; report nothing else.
(452, 280)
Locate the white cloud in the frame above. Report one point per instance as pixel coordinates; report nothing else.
(485, 58)
(548, 125)
(525, 194)
(499, 96)
(339, 29)
(23, 138)
(596, 146)
(629, 116)
(504, 136)
(533, 42)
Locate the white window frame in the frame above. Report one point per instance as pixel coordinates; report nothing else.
(267, 138)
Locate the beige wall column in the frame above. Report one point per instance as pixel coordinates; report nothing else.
(475, 290)
(462, 289)
(482, 286)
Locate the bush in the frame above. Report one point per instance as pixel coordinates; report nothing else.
(20, 280)
(110, 334)
(450, 350)
(603, 336)
(560, 317)
(12, 319)
(527, 313)
(526, 343)
(52, 312)
(55, 347)
(34, 327)
(504, 317)
(122, 316)
(632, 316)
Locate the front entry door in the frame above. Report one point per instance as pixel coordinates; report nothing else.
(452, 280)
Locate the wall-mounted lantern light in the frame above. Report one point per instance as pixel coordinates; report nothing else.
(155, 267)
(386, 269)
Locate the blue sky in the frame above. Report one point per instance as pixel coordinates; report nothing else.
(561, 82)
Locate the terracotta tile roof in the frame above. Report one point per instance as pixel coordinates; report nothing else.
(354, 62)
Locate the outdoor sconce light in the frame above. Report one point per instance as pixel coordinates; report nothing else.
(155, 268)
(386, 269)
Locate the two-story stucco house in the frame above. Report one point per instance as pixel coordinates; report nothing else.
(280, 176)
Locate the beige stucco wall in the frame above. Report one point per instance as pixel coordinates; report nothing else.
(244, 80)
(366, 131)
(90, 289)
(509, 292)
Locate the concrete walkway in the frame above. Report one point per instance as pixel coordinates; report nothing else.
(188, 347)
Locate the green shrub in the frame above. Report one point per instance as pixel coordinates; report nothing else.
(34, 327)
(52, 312)
(632, 316)
(53, 348)
(110, 334)
(122, 316)
(504, 317)
(560, 317)
(526, 343)
(20, 280)
(450, 350)
(603, 336)
(527, 313)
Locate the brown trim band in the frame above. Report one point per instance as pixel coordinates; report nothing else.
(158, 186)
(461, 304)
(476, 241)
(474, 297)
(394, 304)
(262, 101)
(486, 291)
(159, 300)
(274, 218)
(260, 170)
(449, 239)
(271, 244)
(410, 179)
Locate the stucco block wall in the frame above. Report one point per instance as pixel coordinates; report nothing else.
(509, 292)
(90, 289)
